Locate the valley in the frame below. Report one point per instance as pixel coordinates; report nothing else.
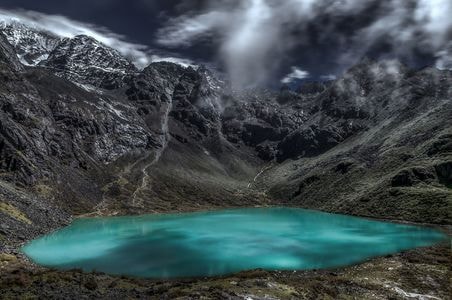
(83, 132)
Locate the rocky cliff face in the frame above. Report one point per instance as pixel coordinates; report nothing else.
(381, 134)
(84, 60)
(84, 131)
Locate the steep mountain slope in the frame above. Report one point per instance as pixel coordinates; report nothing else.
(84, 60)
(397, 162)
(376, 142)
(87, 150)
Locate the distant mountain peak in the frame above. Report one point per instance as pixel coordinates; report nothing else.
(85, 60)
(81, 59)
(32, 45)
(83, 51)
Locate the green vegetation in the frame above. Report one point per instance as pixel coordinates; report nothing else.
(13, 212)
(4, 257)
(44, 190)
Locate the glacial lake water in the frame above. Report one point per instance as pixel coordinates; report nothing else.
(222, 242)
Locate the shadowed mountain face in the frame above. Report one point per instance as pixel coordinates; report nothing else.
(83, 131)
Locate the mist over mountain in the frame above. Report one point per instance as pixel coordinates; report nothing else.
(255, 37)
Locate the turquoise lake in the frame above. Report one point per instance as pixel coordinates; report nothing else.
(222, 242)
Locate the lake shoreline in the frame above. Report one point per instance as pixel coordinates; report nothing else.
(14, 247)
(435, 258)
(218, 242)
(376, 276)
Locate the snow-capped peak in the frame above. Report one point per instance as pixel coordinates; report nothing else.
(85, 52)
(32, 45)
(81, 59)
(85, 60)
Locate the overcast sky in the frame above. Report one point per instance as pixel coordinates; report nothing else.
(261, 41)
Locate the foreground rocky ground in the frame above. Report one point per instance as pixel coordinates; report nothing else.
(423, 273)
(417, 274)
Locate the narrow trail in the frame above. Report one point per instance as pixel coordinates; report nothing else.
(265, 168)
(164, 139)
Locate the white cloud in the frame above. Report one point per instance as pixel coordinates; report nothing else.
(184, 30)
(176, 60)
(249, 34)
(435, 19)
(444, 58)
(328, 77)
(426, 25)
(296, 74)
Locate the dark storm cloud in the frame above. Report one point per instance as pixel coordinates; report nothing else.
(257, 37)
(136, 19)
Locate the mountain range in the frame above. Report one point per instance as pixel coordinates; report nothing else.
(84, 132)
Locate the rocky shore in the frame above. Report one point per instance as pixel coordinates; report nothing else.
(415, 274)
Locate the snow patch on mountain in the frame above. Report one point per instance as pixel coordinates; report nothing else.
(32, 46)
